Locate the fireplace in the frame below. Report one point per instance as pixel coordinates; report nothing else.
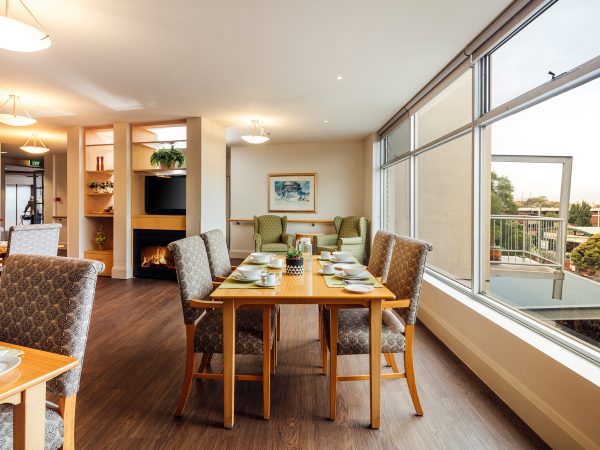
(151, 258)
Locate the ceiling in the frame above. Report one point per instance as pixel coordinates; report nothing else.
(233, 61)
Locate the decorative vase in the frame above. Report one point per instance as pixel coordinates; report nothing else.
(102, 163)
(167, 166)
(100, 246)
(495, 253)
(97, 164)
(294, 266)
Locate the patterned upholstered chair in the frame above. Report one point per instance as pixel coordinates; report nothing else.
(34, 239)
(350, 236)
(270, 234)
(61, 290)
(203, 320)
(218, 254)
(349, 328)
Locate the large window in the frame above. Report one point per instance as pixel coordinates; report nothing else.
(514, 189)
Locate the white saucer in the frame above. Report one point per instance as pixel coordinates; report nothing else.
(359, 288)
(260, 283)
(251, 261)
(337, 261)
(8, 363)
(343, 275)
(325, 274)
(237, 277)
(274, 267)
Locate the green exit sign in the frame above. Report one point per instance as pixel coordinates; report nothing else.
(36, 163)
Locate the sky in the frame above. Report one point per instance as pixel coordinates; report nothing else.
(565, 36)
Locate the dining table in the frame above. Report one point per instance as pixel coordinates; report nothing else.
(25, 388)
(312, 287)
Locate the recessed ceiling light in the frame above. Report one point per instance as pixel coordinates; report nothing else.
(339, 77)
(326, 121)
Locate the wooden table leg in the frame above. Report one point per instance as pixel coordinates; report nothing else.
(375, 361)
(29, 420)
(228, 362)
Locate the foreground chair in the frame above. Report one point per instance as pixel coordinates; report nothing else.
(61, 290)
(270, 234)
(379, 265)
(34, 239)
(347, 330)
(350, 236)
(203, 320)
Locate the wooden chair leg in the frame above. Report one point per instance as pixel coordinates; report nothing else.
(333, 332)
(391, 360)
(190, 360)
(410, 370)
(323, 343)
(278, 332)
(266, 362)
(388, 363)
(204, 362)
(66, 409)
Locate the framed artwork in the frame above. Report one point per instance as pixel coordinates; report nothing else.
(292, 192)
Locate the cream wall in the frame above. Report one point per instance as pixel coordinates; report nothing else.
(340, 184)
(213, 214)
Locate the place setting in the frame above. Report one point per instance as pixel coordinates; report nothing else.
(9, 359)
(352, 277)
(255, 275)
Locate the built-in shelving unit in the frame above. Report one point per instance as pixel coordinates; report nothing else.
(99, 167)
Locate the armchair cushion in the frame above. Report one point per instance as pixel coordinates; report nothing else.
(326, 240)
(350, 227)
(54, 427)
(350, 241)
(248, 332)
(353, 331)
(275, 247)
(288, 239)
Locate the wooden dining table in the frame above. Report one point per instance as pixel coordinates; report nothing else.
(25, 388)
(309, 288)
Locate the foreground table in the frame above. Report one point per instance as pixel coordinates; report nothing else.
(25, 388)
(309, 288)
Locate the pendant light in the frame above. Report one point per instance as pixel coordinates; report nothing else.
(18, 36)
(256, 134)
(35, 145)
(12, 118)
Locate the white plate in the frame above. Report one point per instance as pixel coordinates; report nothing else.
(359, 288)
(8, 363)
(251, 261)
(238, 277)
(343, 275)
(345, 261)
(260, 283)
(323, 273)
(274, 267)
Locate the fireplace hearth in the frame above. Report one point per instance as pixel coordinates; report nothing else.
(151, 258)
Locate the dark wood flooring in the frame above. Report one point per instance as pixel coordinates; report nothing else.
(132, 378)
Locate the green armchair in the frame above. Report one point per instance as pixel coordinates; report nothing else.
(270, 235)
(351, 234)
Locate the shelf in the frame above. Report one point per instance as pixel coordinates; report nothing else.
(161, 172)
(100, 171)
(106, 251)
(99, 194)
(100, 145)
(99, 215)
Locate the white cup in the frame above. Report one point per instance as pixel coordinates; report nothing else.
(276, 262)
(329, 269)
(268, 278)
(325, 254)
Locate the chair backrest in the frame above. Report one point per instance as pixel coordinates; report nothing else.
(193, 274)
(218, 253)
(34, 239)
(270, 228)
(351, 226)
(46, 304)
(406, 273)
(381, 254)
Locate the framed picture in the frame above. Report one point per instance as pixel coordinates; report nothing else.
(292, 192)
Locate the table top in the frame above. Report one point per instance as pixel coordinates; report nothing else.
(36, 366)
(309, 287)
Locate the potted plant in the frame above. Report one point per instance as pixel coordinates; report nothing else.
(107, 186)
(167, 158)
(93, 185)
(100, 238)
(495, 253)
(294, 262)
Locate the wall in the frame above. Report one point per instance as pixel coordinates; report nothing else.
(340, 183)
(213, 213)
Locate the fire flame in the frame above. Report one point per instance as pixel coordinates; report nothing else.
(156, 256)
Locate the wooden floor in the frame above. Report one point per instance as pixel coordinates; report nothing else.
(133, 369)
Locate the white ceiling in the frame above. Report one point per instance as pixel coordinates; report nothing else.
(232, 61)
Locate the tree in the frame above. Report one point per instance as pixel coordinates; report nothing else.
(541, 201)
(587, 255)
(502, 201)
(580, 214)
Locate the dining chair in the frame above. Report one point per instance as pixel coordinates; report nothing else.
(220, 264)
(41, 239)
(46, 303)
(349, 327)
(379, 265)
(350, 235)
(203, 320)
(270, 234)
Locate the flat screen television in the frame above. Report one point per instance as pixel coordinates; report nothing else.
(165, 195)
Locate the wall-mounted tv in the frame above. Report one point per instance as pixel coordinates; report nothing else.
(165, 195)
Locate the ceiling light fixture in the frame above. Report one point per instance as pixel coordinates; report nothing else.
(18, 36)
(13, 118)
(37, 146)
(326, 121)
(339, 77)
(256, 134)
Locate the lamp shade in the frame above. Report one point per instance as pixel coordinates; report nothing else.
(256, 134)
(16, 120)
(35, 145)
(18, 36)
